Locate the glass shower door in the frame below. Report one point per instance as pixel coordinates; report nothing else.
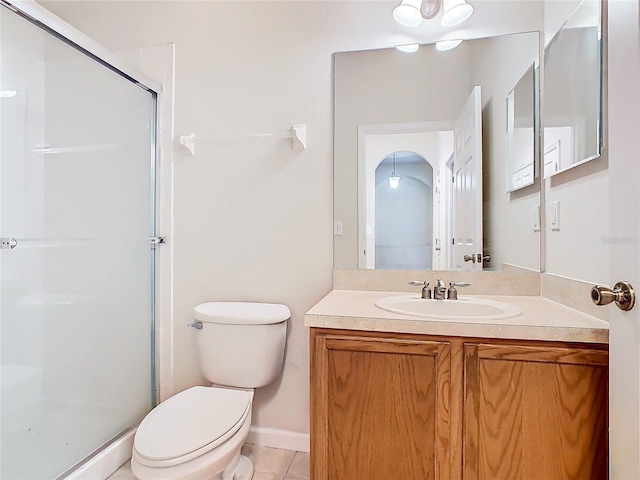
(77, 194)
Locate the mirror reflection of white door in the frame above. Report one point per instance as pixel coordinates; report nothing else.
(624, 234)
(467, 186)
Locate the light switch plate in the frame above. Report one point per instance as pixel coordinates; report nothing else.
(554, 215)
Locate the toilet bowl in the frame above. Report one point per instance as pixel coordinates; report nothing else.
(196, 434)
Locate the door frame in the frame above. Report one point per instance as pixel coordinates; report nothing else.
(367, 242)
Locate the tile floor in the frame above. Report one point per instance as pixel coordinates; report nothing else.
(270, 464)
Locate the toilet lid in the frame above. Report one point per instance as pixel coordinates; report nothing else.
(242, 313)
(191, 420)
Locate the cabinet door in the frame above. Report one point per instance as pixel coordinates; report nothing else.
(535, 412)
(380, 408)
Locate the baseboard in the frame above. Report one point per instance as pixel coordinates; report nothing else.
(106, 462)
(272, 437)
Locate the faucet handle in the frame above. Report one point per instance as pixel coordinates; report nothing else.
(426, 291)
(452, 293)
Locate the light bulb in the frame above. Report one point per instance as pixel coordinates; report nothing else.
(455, 12)
(408, 13)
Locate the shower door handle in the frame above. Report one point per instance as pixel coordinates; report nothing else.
(8, 243)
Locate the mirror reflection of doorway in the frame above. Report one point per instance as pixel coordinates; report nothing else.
(404, 212)
(428, 146)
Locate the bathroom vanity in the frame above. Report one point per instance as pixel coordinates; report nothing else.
(398, 396)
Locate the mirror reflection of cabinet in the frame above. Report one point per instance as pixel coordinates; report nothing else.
(572, 122)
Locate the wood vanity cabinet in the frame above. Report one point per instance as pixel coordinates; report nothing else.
(378, 408)
(402, 406)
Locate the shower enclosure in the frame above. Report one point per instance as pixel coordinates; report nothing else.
(77, 222)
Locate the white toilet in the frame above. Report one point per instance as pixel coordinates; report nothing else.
(198, 433)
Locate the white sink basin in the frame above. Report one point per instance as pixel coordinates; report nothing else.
(463, 308)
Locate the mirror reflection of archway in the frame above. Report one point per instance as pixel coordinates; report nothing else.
(404, 214)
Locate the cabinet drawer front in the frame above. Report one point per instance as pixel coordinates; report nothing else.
(573, 356)
(385, 345)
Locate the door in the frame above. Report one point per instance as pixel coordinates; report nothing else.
(467, 186)
(77, 162)
(624, 224)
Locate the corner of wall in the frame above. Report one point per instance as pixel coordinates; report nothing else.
(572, 293)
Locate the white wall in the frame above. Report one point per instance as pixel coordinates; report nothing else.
(404, 228)
(556, 13)
(253, 221)
(578, 249)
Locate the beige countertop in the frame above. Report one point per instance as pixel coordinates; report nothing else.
(541, 319)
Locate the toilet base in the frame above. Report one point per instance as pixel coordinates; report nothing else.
(241, 470)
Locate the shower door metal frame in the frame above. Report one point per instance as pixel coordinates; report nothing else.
(44, 19)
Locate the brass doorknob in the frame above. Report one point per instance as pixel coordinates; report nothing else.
(622, 293)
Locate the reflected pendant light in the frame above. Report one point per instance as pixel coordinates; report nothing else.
(446, 45)
(455, 12)
(408, 48)
(394, 179)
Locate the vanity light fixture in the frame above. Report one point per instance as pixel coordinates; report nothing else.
(455, 12)
(409, 48)
(394, 179)
(444, 45)
(411, 12)
(430, 8)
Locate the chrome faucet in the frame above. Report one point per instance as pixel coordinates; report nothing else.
(426, 291)
(439, 290)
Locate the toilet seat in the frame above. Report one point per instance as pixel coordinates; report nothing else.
(190, 424)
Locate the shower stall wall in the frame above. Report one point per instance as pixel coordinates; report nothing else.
(77, 222)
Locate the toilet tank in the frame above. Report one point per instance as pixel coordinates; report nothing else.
(241, 344)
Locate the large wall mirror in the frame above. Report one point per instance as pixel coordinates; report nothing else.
(573, 91)
(420, 158)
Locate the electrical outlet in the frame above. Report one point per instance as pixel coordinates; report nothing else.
(337, 228)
